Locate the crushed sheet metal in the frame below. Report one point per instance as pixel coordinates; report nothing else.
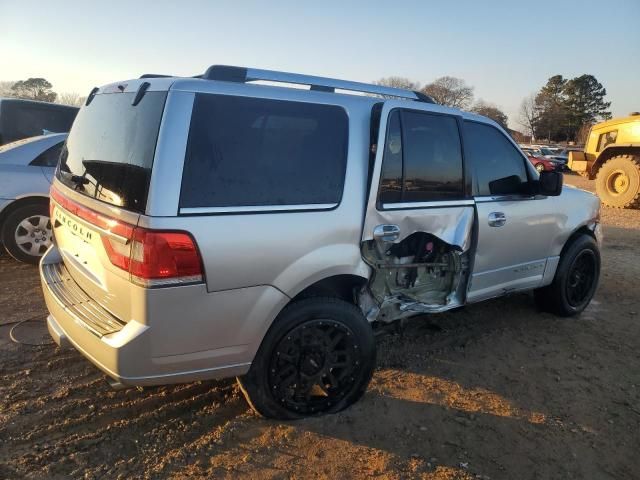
(451, 225)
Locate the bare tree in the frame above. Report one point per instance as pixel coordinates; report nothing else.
(71, 98)
(398, 82)
(450, 91)
(528, 115)
(5, 89)
(492, 111)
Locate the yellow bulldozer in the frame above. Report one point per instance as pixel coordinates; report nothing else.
(611, 157)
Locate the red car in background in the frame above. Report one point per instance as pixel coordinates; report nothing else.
(542, 164)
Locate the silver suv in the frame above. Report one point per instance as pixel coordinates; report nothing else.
(218, 226)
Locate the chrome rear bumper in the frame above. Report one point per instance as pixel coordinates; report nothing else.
(94, 317)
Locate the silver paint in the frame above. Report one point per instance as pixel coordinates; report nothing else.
(255, 260)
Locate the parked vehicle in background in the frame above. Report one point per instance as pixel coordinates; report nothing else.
(27, 118)
(213, 227)
(26, 170)
(611, 157)
(563, 155)
(554, 154)
(542, 164)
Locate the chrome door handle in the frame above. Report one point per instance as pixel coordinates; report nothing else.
(386, 233)
(497, 219)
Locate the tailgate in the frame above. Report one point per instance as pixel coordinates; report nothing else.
(82, 239)
(101, 187)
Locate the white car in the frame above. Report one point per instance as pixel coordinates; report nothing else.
(26, 171)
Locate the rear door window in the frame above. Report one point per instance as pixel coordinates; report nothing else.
(432, 157)
(245, 152)
(422, 159)
(109, 152)
(391, 177)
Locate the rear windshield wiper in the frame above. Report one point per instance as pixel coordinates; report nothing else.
(79, 180)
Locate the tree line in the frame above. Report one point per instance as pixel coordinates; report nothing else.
(562, 110)
(451, 92)
(38, 89)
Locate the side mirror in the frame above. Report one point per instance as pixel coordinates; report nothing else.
(550, 184)
(506, 185)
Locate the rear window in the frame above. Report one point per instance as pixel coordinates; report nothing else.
(109, 152)
(246, 152)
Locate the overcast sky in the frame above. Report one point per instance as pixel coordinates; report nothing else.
(504, 49)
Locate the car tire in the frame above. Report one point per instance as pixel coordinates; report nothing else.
(26, 232)
(575, 281)
(318, 357)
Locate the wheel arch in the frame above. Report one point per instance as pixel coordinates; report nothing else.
(578, 232)
(339, 286)
(19, 203)
(610, 152)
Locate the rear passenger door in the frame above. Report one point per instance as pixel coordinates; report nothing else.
(418, 184)
(515, 228)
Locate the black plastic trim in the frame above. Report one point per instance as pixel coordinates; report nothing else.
(226, 73)
(91, 95)
(156, 75)
(421, 97)
(142, 89)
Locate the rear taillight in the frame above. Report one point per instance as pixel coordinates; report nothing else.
(164, 257)
(152, 257)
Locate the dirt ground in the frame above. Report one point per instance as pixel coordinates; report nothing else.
(496, 390)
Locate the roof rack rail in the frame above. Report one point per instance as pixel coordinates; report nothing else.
(242, 75)
(161, 75)
(155, 75)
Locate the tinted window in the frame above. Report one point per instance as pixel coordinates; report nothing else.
(22, 119)
(391, 176)
(432, 157)
(258, 152)
(499, 168)
(429, 146)
(109, 152)
(48, 158)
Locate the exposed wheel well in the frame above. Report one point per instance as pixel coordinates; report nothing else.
(337, 286)
(584, 230)
(21, 202)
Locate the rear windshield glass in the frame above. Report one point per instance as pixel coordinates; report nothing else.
(109, 152)
(260, 152)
